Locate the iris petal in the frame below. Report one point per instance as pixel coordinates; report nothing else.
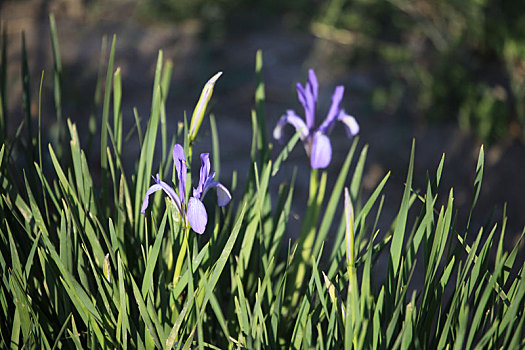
(301, 94)
(197, 216)
(170, 192)
(223, 195)
(204, 176)
(179, 158)
(311, 91)
(150, 191)
(160, 185)
(321, 153)
(312, 79)
(331, 117)
(293, 119)
(351, 125)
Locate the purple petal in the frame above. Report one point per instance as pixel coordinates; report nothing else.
(309, 110)
(290, 118)
(223, 195)
(160, 185)
(321, 153)
(150, 190)
(301, 94)
(331, 117)
(312, 80)
(308, 97)
(204, 175)
(169, 191)
(311, 91)
(179, 158)
(197, 216)
(210, 183)
(351, 126)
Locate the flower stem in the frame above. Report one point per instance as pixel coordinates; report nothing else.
(306, 238)
(182, 254)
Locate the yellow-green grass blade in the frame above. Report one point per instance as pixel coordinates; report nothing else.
(117, 111)
(477, 183)
(259, 108)
(287, 149)
(144, 170)
(164, 88)
(398, 235)
(147, 281)
(144, 313)
(174, 333)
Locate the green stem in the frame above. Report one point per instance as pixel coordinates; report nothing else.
(306, 238)
(314, 183)
(182, 254)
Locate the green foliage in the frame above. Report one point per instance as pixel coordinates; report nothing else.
(446, 60)
(80, 267)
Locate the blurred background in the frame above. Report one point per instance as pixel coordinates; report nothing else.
(448, 73)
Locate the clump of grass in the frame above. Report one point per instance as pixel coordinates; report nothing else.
(81, 267)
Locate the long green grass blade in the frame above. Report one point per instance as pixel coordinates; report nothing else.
(146, 155)
(401, 220)
(57, 81)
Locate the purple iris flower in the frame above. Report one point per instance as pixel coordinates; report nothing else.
(316, 142)
(192, 211)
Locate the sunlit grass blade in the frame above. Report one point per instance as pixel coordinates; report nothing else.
(74, 334)
(122, 332)
(147, 281)
(164, 86)
(146, 155)
(283, 211)
(174, 333)
(215, 147)
(117, 110)
(401, 220)
(259, 107)
(477, 183)
(355, 185)
(144, 313)
(285, 152)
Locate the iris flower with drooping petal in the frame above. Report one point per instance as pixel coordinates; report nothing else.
(316, 142)
(192, 211)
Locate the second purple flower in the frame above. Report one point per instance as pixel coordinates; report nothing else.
(316, 142)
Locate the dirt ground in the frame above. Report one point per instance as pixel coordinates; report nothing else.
(288, 53)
